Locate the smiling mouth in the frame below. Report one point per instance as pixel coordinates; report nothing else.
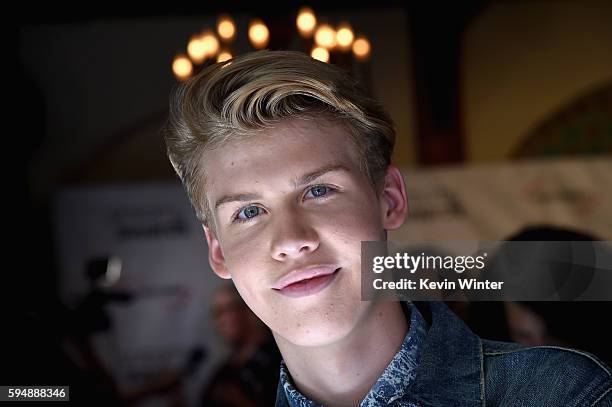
(309, 286)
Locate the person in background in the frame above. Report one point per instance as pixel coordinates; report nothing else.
(575, 324)
(250, 374)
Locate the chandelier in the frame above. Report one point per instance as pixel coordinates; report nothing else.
(325, 42)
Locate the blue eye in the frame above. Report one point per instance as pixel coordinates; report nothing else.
(319, 191)
(248, 212)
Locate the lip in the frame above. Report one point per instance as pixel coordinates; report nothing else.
(307, 281)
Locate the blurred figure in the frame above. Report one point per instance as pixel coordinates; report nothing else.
(527, 323)
(250, 375)
(89, 319)
(486, 319)
(578, 325)
(91, 379)
(574, 324)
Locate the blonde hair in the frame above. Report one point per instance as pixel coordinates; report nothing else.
(256, 91)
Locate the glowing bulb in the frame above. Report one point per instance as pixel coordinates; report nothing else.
(182, 67)
(226, 28)
(210, 43)
(196, 50)
(361, 48)
(259, 35)
(224, 56)
(306, 21)
(344, 37)
(325, 36)
(320, 53)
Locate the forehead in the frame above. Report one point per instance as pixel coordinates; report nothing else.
(278, 156)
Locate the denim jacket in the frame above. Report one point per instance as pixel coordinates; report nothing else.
(457, 368)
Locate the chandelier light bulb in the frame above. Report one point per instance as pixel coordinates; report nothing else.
(210, 43)
(259, 35)
(182, 67)
(344, 37)
(320, 53)
(223, 56)
(226, 28)
(196, 50)
(361, 48)
(306, 22)
(325, 36)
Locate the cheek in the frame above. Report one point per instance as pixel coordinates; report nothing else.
(358, 221)
(242, 250)
(248, 261)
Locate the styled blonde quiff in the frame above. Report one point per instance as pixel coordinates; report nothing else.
(256, 91)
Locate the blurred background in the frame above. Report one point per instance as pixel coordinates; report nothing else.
(503, 112)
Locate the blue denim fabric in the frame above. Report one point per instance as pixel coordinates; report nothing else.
(457, 368)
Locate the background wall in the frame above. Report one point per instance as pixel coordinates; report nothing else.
(103, 81)
(524, 60)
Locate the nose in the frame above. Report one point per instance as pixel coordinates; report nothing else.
(293, 237)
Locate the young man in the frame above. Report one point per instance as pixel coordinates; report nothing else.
(287, 164)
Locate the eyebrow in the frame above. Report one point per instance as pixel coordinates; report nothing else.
(297, 183)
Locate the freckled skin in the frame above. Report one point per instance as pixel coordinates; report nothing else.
(326, 230)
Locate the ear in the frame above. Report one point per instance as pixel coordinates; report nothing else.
(215, 255)
(394, 204)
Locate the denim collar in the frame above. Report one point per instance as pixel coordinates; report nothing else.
(449, 369)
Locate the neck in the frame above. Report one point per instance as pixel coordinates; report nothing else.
(343, 372)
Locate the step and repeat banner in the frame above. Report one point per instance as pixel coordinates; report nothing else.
(135, 273)
(498, 201)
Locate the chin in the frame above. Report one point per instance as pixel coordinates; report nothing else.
(318, 336)
(320, 331)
